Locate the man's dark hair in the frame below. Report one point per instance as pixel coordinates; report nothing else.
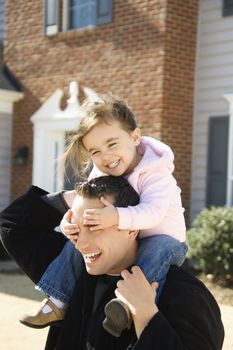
(123, 193)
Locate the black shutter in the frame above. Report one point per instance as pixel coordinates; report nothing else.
(217, 161)
(227, 9)
(51, 17)
(104, 11)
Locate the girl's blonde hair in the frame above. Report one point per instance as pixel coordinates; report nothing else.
(103, 109)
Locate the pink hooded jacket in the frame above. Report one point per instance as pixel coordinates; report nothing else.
(160, 209)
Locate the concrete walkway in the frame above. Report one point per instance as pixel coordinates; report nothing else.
(17, 295)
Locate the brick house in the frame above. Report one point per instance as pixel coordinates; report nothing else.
(165, 57)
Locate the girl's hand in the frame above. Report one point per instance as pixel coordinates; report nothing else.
(68, 229)
(137, 293)
(101, 218)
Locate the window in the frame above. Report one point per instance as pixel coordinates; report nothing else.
(76, 14)
(86, 13)
(82, 13)
(51, 17)
(217, 161)
(227, 8)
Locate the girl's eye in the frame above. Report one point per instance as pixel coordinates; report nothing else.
(95, 153)
(112, 144)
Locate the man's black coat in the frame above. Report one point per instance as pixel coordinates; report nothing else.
(188, 317)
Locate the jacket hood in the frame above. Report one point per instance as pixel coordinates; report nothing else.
(156, 154)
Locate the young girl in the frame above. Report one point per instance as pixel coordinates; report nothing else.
(108, 138)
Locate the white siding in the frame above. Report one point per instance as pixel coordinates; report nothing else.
(5, 159)
(214, 77)
(2, 14)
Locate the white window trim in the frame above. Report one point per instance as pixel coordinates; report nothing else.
(65, 19)
(51, 29)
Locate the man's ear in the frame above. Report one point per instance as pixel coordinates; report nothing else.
(133, 234)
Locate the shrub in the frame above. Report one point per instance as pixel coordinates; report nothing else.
(210, 241)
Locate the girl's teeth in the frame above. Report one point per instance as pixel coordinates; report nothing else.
(112, 165)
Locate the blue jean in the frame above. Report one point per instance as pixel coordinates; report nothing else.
(60, 277)
(155, 255)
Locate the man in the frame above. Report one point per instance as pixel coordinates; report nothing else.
(186, 317)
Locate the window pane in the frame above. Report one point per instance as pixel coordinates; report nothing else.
(82, 13)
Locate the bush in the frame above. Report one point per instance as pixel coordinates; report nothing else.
(210, 241)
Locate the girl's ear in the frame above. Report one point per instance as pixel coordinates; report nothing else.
(133, 234)
(136, 136)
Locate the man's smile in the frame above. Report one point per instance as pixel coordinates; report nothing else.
(91, 257)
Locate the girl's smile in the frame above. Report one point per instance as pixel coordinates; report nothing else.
(113, 165)
(112, 149)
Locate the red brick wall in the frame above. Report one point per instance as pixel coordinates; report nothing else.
(178, 88)
(133, 57)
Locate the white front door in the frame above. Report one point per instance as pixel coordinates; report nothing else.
(7, 99)
(51, 126)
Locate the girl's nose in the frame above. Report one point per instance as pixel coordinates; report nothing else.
(106, 156)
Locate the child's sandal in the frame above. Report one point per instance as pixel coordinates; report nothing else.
(118, 317)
